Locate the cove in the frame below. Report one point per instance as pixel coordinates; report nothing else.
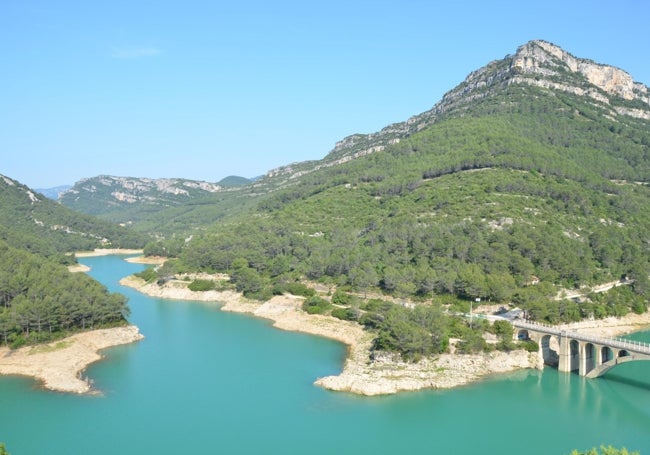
(206, 381)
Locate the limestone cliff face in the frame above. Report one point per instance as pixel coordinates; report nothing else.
(547, 59)
(545, 65)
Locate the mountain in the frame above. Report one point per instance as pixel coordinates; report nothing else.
(106, 194)
(537, 64)
(529, 177)
(30, 221)
(163, 207)
(233, 180)
(55, 192)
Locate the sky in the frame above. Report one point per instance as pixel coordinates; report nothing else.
(207, 89)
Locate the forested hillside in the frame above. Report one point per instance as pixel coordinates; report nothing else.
(30, 221)
(41, 300)
(530, 177)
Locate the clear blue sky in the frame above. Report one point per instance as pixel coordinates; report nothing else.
(207, 89)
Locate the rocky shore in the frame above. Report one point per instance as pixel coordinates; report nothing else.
(360, 375)
(59, 365)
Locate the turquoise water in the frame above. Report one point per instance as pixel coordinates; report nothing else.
(205, 381)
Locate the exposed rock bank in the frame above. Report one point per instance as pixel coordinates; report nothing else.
(59, 365)
(388, 375)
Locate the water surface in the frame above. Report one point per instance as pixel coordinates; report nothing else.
(206, 381)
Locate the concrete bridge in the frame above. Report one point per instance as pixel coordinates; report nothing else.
(590, 356)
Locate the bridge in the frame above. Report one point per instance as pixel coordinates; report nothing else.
(590, 356)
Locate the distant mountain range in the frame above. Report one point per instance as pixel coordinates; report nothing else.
(119, 197)
(55, 192)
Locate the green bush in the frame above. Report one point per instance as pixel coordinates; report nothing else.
(346, 314)
(261, 295)
(529, 345)
(18, 342)
(506, 345)
(316, 305)
(149, 275)
(199, 285)
(299, 289)
(371, 320)
(472, 343)
(342, 298)
(377, 305)
(503, 329)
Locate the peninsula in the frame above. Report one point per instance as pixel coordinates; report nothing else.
(59, 365)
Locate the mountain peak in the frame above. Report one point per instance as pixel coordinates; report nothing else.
(537, 63)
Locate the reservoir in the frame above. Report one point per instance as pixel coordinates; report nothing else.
(209, 382)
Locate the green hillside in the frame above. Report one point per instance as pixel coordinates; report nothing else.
(41, 300)
(522, 181)
(234, 180)
(132, 200)
(30, 221)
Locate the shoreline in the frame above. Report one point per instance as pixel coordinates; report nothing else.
(106, 252)
(382, 376)
(59, 365)
(386, 374)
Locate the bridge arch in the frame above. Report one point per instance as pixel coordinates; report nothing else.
(550, 347)
(606, 354)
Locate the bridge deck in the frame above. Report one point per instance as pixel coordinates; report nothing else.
(638, 347)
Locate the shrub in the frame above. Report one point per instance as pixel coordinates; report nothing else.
(506, 345)
(503, 329)
(342, 298)
(529, 345)
(316, 305)
(377, 305)
(299, 289)
(202, 285)
(346, 314)
(18, 342)
(149, 275)
(371, 320)
(262, 295)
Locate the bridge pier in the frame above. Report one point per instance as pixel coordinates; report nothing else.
(565, 354)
